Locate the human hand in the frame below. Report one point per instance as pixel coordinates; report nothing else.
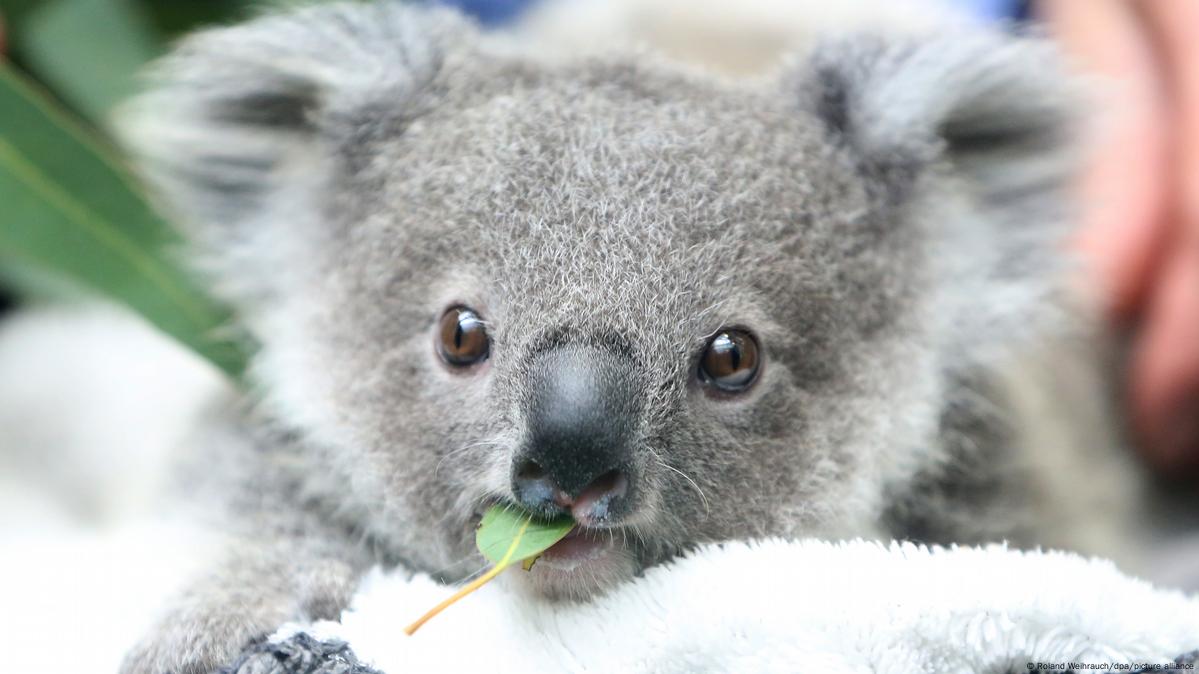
(1141, 203)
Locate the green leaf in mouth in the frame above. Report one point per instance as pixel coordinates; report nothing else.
(504, 527)
(505, 536)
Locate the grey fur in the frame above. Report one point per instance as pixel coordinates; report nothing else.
(884, 216)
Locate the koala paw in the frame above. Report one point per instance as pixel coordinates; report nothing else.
(188, 643)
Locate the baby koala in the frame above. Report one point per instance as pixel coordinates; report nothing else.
(678, 307)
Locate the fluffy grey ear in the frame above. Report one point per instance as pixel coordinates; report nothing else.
(997, 109)
(967, 141)
(236, 115)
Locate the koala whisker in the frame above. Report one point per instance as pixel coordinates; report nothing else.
(694, 485)
(639, 537)
(461, 450)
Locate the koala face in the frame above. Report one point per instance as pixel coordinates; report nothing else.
(618, 302)
(678, 309)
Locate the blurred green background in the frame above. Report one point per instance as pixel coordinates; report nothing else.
(73, 220)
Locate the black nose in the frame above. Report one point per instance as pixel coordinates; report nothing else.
(582, 413)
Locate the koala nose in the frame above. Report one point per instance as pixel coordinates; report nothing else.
(599, 502)
(582, 412)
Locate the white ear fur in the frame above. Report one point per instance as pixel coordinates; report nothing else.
(998, 109)
(232, 110)
(971, 137)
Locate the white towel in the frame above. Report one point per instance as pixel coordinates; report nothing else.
(776, 606)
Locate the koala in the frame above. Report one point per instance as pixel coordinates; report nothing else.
(678, 307)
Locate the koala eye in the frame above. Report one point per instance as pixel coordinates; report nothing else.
(462, 338)
(730, 362)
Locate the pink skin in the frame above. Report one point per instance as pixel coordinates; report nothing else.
(585, 543)
(1141, 228)
(580, 562)
(579, 547)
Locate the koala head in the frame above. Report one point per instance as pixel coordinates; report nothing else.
(678, 308)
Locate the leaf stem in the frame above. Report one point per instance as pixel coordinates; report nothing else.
(473, 585)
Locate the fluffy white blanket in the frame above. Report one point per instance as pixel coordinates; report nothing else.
(775, 606)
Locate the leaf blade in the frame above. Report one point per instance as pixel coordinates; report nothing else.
(502, 526)
(58, 43)
(70, 210)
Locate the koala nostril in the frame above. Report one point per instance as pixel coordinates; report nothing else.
(530, 470)
(598, 499)
(536, 491)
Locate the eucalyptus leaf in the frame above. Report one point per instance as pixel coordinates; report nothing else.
(501, 526)
(70, 209)
(90, 51)
(505, 536)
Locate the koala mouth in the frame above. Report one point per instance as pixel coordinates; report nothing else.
(579, 547)
(582, 545)
(588, 561)
(585, 564)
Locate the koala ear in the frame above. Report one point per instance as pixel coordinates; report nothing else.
(235, 116)
(968, 138)
(996, 109)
